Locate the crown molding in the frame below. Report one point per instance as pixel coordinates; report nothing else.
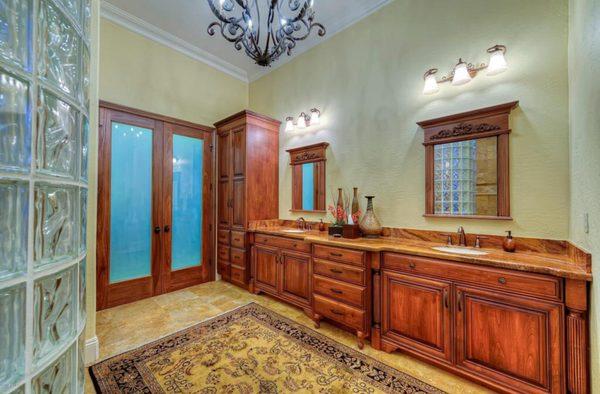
(137, 25)
(367, 8)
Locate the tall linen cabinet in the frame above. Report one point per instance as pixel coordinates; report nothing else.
(247, 187)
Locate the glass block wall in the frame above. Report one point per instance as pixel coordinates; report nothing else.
(44, 109)
(455, 178)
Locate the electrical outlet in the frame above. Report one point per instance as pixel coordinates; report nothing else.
(586, 223)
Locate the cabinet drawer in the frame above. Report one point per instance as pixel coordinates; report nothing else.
(223, 252)
(344, 292)
(238, 239)
(284, 243)
(334, 310)
(238, 257)
(238, 275)
(348, 256)
(223, 237)
(507, 280)
(341, 272)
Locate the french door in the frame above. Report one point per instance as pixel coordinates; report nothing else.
(154, 205)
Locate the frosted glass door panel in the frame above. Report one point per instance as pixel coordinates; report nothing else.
(186, 244)
(130, 202)
(308, 186)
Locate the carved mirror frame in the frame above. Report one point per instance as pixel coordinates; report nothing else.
(480, 123)
(315, 153)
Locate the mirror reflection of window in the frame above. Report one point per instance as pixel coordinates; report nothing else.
(466, 178)
(308, 177)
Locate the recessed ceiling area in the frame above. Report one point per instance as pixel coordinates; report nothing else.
(182, 25)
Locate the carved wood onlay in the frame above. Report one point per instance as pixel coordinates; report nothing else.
(308, 154)
(467, 125)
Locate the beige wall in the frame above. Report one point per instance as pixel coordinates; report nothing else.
(367, 80)
(143, 74)
(584, 69)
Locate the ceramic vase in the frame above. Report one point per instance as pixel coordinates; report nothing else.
(355, 206)
(369, 224)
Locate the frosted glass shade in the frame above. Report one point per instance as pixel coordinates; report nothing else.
(315, 117)
(461, 74)
(497, 63)
(431, 85)
(301, 122)
(289, 124)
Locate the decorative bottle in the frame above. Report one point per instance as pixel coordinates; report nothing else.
(355, 207)
(369, 224)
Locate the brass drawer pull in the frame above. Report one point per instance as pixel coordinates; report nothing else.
(335, 271)
(336, 291)
(412, 265)
(502, 280)
(337, 312)
(336, 254)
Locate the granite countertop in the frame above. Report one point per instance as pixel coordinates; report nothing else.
(542, 263)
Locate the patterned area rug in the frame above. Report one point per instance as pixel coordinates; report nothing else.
(249, 350)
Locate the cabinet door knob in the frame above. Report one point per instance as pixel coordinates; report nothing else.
(502, 280)
(446, 304)
(412, 265)
(167, 228)
(157, 229)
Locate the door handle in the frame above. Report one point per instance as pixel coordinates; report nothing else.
(167, 228)
(157, 229)
(459, 301)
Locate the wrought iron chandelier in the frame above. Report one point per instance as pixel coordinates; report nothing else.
(287, 21)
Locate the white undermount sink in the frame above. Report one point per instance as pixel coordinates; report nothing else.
(293, 231)
(459, 250)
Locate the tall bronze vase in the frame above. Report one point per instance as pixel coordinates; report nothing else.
(369, 224)
(355, 207)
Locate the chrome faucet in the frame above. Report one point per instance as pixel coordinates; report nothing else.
(301, 223)
(462, 238)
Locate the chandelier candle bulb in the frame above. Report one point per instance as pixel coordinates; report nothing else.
(431, 85)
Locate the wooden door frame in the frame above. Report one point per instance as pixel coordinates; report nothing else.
(155, 287)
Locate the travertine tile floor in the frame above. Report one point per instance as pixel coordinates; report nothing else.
(128, 326)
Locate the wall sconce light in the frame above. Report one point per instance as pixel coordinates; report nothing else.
(464, 72)
(304, 120)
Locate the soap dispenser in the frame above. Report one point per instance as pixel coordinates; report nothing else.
(509, 244)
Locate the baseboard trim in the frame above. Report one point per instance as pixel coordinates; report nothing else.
(92, 350)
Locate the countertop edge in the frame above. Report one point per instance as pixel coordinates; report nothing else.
(576, 273)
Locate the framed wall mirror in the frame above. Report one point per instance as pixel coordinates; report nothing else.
(467, 164)
(308, 177)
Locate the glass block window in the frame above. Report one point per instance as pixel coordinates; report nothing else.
(44, 131)
(455, 178)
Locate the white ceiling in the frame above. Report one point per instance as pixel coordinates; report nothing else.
(182, 24)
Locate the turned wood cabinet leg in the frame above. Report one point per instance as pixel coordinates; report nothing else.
(317, 319)
(361, 339)
(577, 351)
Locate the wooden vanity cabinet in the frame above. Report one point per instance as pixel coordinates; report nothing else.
(512, 339)
(247, 187)
(283, 273)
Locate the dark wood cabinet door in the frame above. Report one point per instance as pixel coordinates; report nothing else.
(295, 276)
(512, 340)
(238, 152)
(224, 155)
(238, 206)
(417, 314)
(224, 204)
(266, 261)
